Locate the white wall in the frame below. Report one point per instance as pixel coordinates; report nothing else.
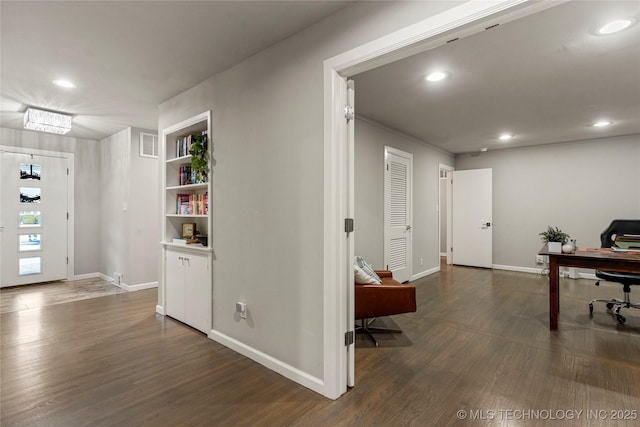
(86, 189)
(130, 209)
(578, 186)
(144, 211)
(370, 140)
(113, 196)
(267, 195)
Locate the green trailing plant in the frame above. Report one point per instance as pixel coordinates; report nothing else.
(200, 156)
(554, 235)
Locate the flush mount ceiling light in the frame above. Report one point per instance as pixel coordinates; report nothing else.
(615, 26)
(64, 83)
(505, 137)
(436, 76)
(602, 123)
(483, 149)
(47, 121)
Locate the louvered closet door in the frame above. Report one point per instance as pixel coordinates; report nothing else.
(398, 217)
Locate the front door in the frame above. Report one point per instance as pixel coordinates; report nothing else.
(33, 218)
(472, 218)
(397, 213)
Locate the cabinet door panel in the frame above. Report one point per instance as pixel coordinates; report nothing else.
(198, 292)
(174, 282)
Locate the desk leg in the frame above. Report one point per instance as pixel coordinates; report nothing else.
(554, 294)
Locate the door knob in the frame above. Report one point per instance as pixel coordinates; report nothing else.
(408, 227)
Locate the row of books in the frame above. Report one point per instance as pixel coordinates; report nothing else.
(183, 145)
(187, 176)
(192, 204)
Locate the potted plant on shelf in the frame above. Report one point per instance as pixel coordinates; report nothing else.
(554, 238)
(200, 157)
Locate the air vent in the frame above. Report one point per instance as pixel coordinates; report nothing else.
(148, 145)
(453, 40)
(491, 26)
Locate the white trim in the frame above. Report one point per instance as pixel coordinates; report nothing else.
(85, 276)
(284, 369)
(534, 270)
(160, 310)
(401, 43)
(139, 286)
(516, 268)
(425, 273)
(123, 285)
(70, 159)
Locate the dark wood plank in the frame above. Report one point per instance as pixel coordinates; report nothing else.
(479, 342)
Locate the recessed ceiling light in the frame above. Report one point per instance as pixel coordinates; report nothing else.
(437, 76)
(505, 137)
(64, 83)
(615, 26)
(483, 149)
(602, 123)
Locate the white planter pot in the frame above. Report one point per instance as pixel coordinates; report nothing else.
(555, 247)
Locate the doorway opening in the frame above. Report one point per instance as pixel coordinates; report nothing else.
(466, 19)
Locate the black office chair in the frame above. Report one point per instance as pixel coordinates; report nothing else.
(618, 226)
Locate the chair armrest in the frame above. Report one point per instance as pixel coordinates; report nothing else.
(383, 273)
(384, 300)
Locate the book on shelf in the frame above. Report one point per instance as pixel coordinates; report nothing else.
(192, 204)
(183, 145)
(188, 176)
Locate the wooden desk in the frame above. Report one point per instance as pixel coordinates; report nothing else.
(600, 258)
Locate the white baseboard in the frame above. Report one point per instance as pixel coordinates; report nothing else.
(128, 288)
(284, 369)
(139, 286)
(589, 276)
(85, 276)
(425, 273)
(160, 309)
(515, 268)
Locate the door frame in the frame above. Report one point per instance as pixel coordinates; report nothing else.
(463, 20)
(70, 198)
(449, 191)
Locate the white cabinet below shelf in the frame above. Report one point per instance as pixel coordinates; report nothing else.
(188, 287)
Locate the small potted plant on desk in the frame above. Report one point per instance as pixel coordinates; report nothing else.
(554, 238)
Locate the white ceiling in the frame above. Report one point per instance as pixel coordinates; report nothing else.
(127, 57)
(545, 78)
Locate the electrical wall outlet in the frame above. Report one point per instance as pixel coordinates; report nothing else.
(540, 259)
(421, 261)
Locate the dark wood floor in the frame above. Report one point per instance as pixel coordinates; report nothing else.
(479, 343)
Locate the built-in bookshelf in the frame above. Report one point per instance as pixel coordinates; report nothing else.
(186, 193)
(186, 286)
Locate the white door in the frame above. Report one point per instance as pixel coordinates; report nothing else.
(472, 218)
(397, 213)
(33, 218)
(350, 249)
